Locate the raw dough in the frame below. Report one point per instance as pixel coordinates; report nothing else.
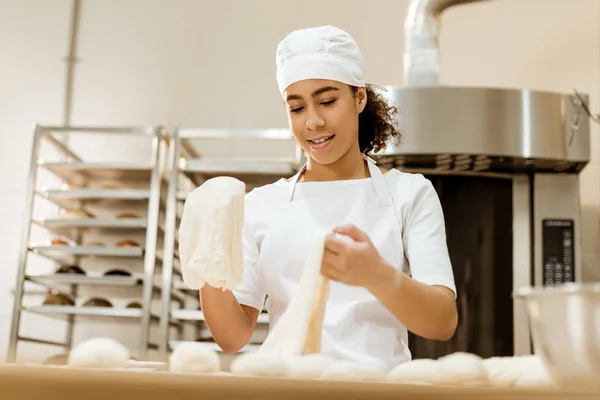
(502, 371)
(419, 371)
(310, 366)
(522, 371)
(347, 370)
(461, 369)
(99, 353)
(194, 358)
(299, 328)
(256, 364)
(535, 378)
(210, 234)
(518, 371)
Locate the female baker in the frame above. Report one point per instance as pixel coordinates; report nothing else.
(395, 274)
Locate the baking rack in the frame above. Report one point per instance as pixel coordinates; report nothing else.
(95, 192)
(196, 155)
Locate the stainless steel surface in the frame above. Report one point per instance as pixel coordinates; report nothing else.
(71, 227)
(487, 130)
(77, 198)
(421, 38)
(168, 250)
(522, 252)
(239, 167)
(96, 251)
(565, 323)
(23, 250)
(75, 279)
(42, 341)
(87, 311)
(151, 243)
(81, 173)
(556, 196)
(60, 145)
(109, 199)
(254, 172)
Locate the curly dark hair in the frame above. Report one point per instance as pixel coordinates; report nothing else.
(376, 128)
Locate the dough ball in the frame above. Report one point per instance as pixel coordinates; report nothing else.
(523, 371)
(194, 358)
(502, 371)
(415, 372)
(533, 372)
(310, 366)
(535, 378)
(346, 370)
(259, 365)
(461, 369)
(99, 353)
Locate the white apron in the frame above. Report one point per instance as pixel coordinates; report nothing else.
(356, 325)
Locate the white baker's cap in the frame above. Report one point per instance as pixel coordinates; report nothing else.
(323, 52)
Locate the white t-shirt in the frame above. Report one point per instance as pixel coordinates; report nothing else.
(423, 241)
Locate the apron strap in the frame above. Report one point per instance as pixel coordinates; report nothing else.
(381, 188)
(294, 181)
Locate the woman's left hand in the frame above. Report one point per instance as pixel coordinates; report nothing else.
(354, 263)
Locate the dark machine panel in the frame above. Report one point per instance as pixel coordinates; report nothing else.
(558, 251)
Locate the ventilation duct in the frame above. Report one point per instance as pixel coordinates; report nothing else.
(421, 33)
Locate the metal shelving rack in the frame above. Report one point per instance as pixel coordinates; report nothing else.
(81, 190)
(189, 168)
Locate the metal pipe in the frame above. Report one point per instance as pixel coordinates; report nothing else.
(421, 31)
(71, 59)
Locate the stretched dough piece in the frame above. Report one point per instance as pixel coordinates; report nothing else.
(298, 331)
(210, 234)
(415, 372)
(312, 343)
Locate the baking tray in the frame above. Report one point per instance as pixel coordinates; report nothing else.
(78, 172)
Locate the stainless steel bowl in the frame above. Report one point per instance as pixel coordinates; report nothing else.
(565, 327)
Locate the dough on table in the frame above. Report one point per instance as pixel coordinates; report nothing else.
(347, 370)
(210, 234)
(518, 371)
(461, 369)
(535, 378)
(415, 372)
(502, 371)
(298, 331)
(99, 353)
(194, 358)
(309, 366)
(256, 364)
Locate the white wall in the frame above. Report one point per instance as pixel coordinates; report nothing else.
(212, 64)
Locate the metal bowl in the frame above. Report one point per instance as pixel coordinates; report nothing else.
(565, 327)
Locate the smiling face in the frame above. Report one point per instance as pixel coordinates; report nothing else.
(323, 115)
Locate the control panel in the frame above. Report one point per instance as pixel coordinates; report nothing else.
(558, 251)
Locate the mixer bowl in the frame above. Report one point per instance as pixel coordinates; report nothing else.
(565, 328)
